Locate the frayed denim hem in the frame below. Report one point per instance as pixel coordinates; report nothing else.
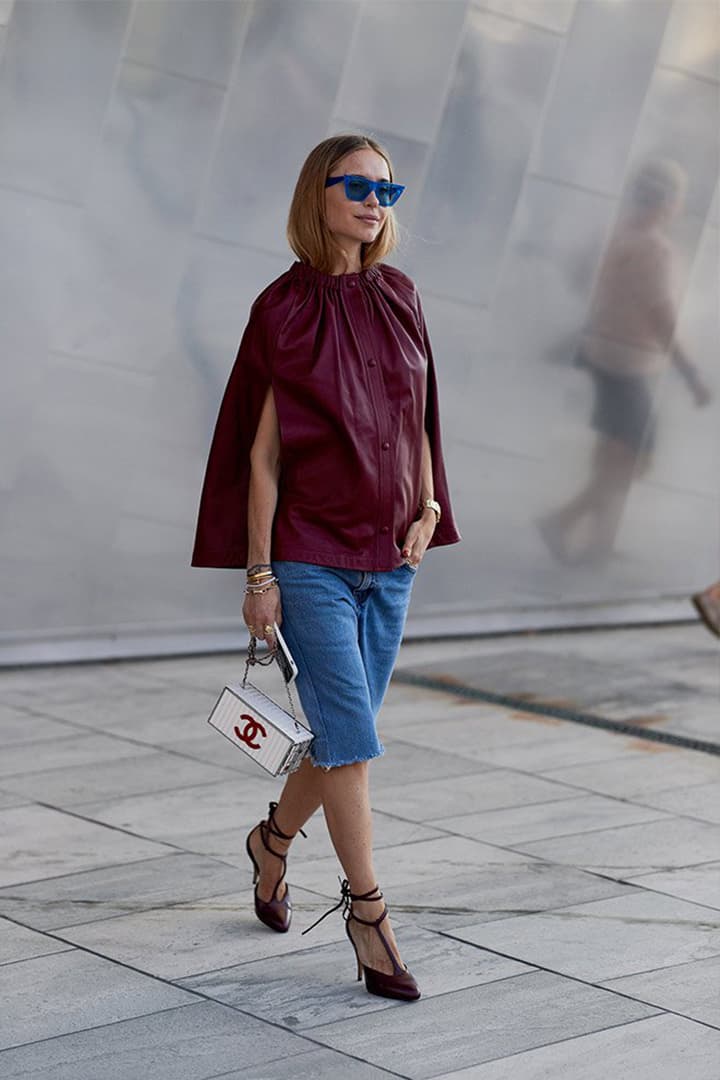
(350, 761)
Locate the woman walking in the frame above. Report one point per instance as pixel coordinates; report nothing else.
(325, 479)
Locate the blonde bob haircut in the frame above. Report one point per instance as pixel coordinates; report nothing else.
(307, 230)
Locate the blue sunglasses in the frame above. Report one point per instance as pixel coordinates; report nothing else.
(357, 189)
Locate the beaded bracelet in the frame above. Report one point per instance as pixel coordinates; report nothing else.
(264, 589)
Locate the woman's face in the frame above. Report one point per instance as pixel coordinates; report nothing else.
(354, 223)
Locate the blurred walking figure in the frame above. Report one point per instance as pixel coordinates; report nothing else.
(627, 344)
(708, 607)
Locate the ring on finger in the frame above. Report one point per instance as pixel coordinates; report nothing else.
(269, 629)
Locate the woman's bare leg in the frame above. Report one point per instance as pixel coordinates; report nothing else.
(301, 796)
(344, 795)
(346, 803)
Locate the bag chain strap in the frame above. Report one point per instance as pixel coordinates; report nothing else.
(265, 661)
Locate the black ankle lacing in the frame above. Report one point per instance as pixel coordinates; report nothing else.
(345, 902)
(272, 825)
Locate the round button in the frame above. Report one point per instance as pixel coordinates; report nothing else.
(386, 446)
(385, 530)
(352, 284)
(371, 362)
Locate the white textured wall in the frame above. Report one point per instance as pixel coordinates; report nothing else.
(148, 151)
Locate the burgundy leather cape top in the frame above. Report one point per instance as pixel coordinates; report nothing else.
(350, 365)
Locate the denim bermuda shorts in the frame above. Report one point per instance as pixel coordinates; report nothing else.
(344, 629)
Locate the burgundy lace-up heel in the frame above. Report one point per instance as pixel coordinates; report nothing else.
(400, 984)
(273, 913)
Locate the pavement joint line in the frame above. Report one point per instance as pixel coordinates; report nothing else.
(382, 1071)
(114, 828)
(177, 986)
(85, 729)
(574, 1038)
(97, 1027)
(563, 975)
(85, 870)
(35, 956)
(573, 716)
(567, 836)
(666, 967)
(456, 934)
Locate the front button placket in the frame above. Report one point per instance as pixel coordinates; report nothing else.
(361, 320)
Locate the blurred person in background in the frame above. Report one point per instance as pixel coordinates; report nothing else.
(326, 480)
(627, 344)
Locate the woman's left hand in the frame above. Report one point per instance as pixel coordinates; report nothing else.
(418, 537)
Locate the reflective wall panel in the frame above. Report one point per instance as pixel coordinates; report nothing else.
(561, 220)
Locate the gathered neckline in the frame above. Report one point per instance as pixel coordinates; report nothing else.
(334, 281)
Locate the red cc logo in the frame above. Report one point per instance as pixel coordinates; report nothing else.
(252, 729)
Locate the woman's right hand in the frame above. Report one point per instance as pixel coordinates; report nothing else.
(261, 610)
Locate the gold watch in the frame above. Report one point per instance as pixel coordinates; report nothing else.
(431, 504)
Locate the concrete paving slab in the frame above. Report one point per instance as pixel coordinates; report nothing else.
(229, 844)
(9, 799)
(457, 1030)
(318, 986)
(659, 1048)
(204, 935)
(398, 716)
(194, 672)
(23, 759)
(149, 771)
(472, 731)
(536, 675)
(491, 892)
(404, 763)
(412, 863)
(155, 714)
(36, 686)
(514, 825)
(578, 746)
(169, 815)
(194, 1042)
(698, 722)
(19, 943)
(208, 746)
(447, 877)
(699, 801)
(78, 991)
(628, 850)
(616, 678)
(19, 726)
(432, 801)
(661, 769)
(317, 1065)
(690, 989)
(606, 939)
(36, 842)
(699, 884)
(117, 890)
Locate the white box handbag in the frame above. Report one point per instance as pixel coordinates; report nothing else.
(258, 726)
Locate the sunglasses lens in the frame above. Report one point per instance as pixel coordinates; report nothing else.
(388, 194)
(356, 188)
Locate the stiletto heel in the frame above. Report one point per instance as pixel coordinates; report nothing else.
(400, 985)
(274, 913)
